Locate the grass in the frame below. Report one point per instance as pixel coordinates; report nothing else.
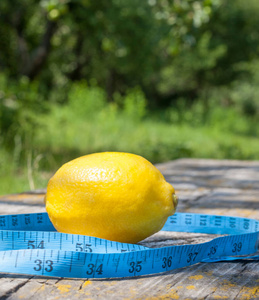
(81, 127)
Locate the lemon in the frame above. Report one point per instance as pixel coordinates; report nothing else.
(111, 195)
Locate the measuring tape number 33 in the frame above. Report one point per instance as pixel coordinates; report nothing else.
(29, 244)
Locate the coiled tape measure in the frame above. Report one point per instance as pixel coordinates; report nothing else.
(29, 244)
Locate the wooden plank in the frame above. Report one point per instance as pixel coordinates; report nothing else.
(204, 186)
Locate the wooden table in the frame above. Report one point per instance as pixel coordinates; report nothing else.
(204, 186)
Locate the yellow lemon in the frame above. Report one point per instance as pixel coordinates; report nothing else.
(111, 195)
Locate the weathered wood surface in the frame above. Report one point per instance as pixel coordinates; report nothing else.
(204, 186)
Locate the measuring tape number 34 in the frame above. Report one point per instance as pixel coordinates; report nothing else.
(29, 244)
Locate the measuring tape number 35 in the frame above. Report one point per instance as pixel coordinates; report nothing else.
(29, 244)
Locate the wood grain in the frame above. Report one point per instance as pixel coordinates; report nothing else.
(221, 187)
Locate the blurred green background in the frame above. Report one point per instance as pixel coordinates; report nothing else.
(161, 78)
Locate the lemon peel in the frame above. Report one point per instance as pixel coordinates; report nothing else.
(112, 195)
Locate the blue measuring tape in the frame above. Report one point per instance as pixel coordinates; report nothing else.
(29, 244)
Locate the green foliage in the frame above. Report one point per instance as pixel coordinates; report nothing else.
(170, 49)
(85, 101)
(134, 104)
(164, 79)
(244, 91)
(70, 130)
(19, 102)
